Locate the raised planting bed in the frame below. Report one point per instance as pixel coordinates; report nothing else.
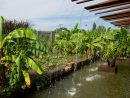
(49, 77)
(69, 68)
(105, 68)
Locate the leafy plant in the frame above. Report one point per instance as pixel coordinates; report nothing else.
(16, 52)
(116, 45)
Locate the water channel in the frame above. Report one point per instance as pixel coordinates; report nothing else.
(89, 83)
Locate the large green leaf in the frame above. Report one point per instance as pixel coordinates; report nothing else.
(9, 58)
(20, 33)
(98, 45)
(18, 62)
(75, 29)
(33, 65)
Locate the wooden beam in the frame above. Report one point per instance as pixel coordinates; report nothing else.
(74, 0)
(101, 4)
(121, 25)
(118, 17)
(122, 17)
(83, 1)
(116, 9)
(121, 21)
(124, 14)
(110, 6)
(105, 3)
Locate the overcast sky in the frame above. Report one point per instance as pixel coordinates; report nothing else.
(48, 14)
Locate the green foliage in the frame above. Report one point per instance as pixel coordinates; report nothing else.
(1, 28)
(18, 55)
(99, 41)
(94, 26)
(66, 40)
(24, 52)
(116, 43)
(93, 42)
(1, 24)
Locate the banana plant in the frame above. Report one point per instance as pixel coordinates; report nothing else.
(76, 42)
(2, 69)
(60, 46)
(1, 26)
(116, 45)
(1, 30)
(16, 51)
(128, 46)
(91, 43)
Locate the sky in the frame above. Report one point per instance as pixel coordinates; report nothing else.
(51, 14)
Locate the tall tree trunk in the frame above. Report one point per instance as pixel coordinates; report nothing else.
(111, 62)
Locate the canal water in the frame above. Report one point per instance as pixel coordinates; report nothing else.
(89, 83)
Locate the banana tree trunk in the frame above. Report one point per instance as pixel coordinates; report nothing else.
(1, 53)
(88, 54)
(111, 62)
(2, 75)
(2, 69)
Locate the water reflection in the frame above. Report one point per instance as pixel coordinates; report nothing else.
(93, 69)
(72, 91)
(91, 78)
(79, 84)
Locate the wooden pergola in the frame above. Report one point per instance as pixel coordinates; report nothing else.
(116, 11)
